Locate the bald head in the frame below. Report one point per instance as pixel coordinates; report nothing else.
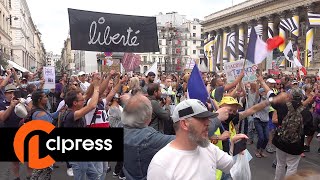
(137, 112)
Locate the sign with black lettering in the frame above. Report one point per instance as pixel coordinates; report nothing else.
(95, 31)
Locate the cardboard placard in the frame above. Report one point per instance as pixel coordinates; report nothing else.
(115, 66)
(233, 70)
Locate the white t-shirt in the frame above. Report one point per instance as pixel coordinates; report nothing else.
(84, 86)
(101, 115)
(28, 100)
(201, 163)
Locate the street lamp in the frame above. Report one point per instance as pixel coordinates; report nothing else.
(14, 18)
(10, 18)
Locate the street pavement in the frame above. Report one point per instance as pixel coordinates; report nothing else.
(261, 168)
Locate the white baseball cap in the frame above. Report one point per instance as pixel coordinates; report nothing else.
(272, 81)
(81, 73)
(191, 108)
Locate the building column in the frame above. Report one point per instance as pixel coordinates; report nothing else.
(270, 26)
(249, 31)
(212, 64)
(241, 41)
(251, 24)
(270, 35)
(282, 33)
(206, 51)
(309, 41)
(296, 19)
(224, 48)
(220, 50)
(231, 46)
(259, 28)
(261, 34)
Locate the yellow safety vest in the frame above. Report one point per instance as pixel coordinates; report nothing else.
(212, 96)
(275, 92)
(233, 132)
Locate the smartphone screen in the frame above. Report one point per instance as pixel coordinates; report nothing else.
(239, 146)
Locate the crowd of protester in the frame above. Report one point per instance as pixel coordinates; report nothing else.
(165, 132)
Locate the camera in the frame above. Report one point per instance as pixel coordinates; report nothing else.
(164, 97)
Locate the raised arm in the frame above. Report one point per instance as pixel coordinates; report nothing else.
(15, 77)
(105, 82)
(281, 98)
(308, 100)
(6, 80)
(93, 102)
(116, 88)
(41, 84)
(263, 84)
(5, 114)
(229, 86)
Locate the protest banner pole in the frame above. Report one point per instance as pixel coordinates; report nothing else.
(211, 102)
(244, 63)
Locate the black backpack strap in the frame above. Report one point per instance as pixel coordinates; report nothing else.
(66, 113)
(39, 109)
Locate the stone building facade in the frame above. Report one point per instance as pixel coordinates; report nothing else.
(266, 14)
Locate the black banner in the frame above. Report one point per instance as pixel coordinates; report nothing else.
(66, 144)
(105, 32)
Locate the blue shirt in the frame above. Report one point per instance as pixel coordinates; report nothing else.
(47, 117)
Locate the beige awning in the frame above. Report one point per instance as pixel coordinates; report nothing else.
(17, 66)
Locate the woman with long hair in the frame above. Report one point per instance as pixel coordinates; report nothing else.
(134, 85)
(38, 112)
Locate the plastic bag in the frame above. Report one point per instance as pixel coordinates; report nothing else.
(241, 169)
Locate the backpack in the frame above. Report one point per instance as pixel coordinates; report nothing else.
(61, 118)
(291, 129)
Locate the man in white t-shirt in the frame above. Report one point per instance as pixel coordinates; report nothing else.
(84, 85)
(191, 155)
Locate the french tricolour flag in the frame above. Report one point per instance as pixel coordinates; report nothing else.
(258, 50)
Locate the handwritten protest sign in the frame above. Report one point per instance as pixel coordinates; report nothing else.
(49, 77)
(233, 69)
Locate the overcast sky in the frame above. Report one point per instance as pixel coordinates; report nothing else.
(51, 17)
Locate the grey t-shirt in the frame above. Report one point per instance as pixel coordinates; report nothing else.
(251, 99)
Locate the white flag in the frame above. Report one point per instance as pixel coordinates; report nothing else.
(288, 52)
(296, 60)
(153, 68)
(203, 67)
